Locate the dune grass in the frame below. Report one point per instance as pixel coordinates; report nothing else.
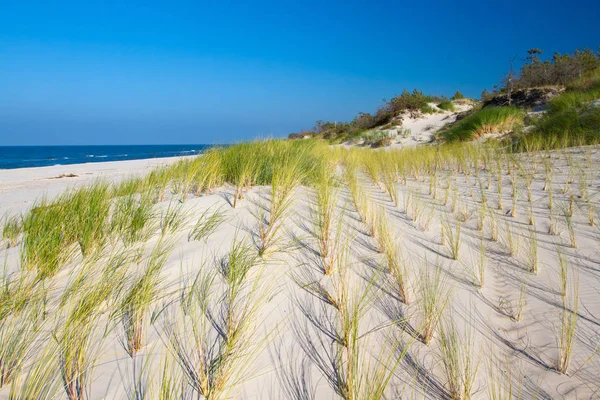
(447, 106)
(132, 220)
(141, 295)
(434, 300)
(209, 221)
(452, 238)
(458, 360)
(11, 229)
(214, 344)
(569, 120)
(45, 248)
(287, 175)
(323, 214)
(97, 237)
(21, 320)
(80, 334)
(567, 331)
(486, 120)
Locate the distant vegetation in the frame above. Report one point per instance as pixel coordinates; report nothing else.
(559, 70)
(446, 106)
(457, 96)
(414, 103)
(566, 87)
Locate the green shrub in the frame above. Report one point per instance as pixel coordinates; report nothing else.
(587, 82)
(486, 120)
(13, 227)
(446, 106)
(427, 109)
(571, 119)
(457, 96)
(383, 142)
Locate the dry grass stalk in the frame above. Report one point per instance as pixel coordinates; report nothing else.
(457, 356)
(208, 222)
(434, 300)
(512, 243)
(532, 257)
(453, 238)
(568, 329)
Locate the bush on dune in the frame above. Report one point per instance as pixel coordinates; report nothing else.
(486, 120)
(571, 119)
(414, 103)
(457, 96)
(446, 106)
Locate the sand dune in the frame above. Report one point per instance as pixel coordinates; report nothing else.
(459, 248)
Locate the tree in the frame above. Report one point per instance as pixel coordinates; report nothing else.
(457, 96)
(509, 80)
(533, 58)
(484, 95)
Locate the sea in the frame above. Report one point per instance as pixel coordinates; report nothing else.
(42, 156)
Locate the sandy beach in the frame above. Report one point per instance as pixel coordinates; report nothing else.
(504, 316)
(21, 187)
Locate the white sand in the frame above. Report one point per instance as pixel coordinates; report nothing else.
(21, 187)
(423, 128)
(418, 129)
(528, 346)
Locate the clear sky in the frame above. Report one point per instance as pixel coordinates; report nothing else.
(153, 72)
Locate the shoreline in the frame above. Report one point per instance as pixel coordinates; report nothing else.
(21, 187)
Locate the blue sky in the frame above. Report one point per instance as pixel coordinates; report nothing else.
(118, 72)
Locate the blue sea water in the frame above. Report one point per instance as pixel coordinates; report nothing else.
(42, 156)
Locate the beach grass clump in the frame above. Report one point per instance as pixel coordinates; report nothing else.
(487, 120)
(242, 165)
(131, 186)
(209, 221)
(452, 238)
(42, 379)
(458, 360)
(398, 272)
(132, 220)
(140, 296)
(239, 261)
(184, 176)
(500, 379)
(80, 333)
(434, 300)
(389, 184)
(52, 228)
(570, 120)
(173, 218)
(12, 229)
(478, 268)
(89, 209)
(17, 335)
(571, 230)
(568, 328)
(344, 363)
(215, 337)
(287, 175)
(208, 173)
(511, 240)
(324, 219)
(446, 106)
(155, 185)
(45, 245)
(21, 320)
